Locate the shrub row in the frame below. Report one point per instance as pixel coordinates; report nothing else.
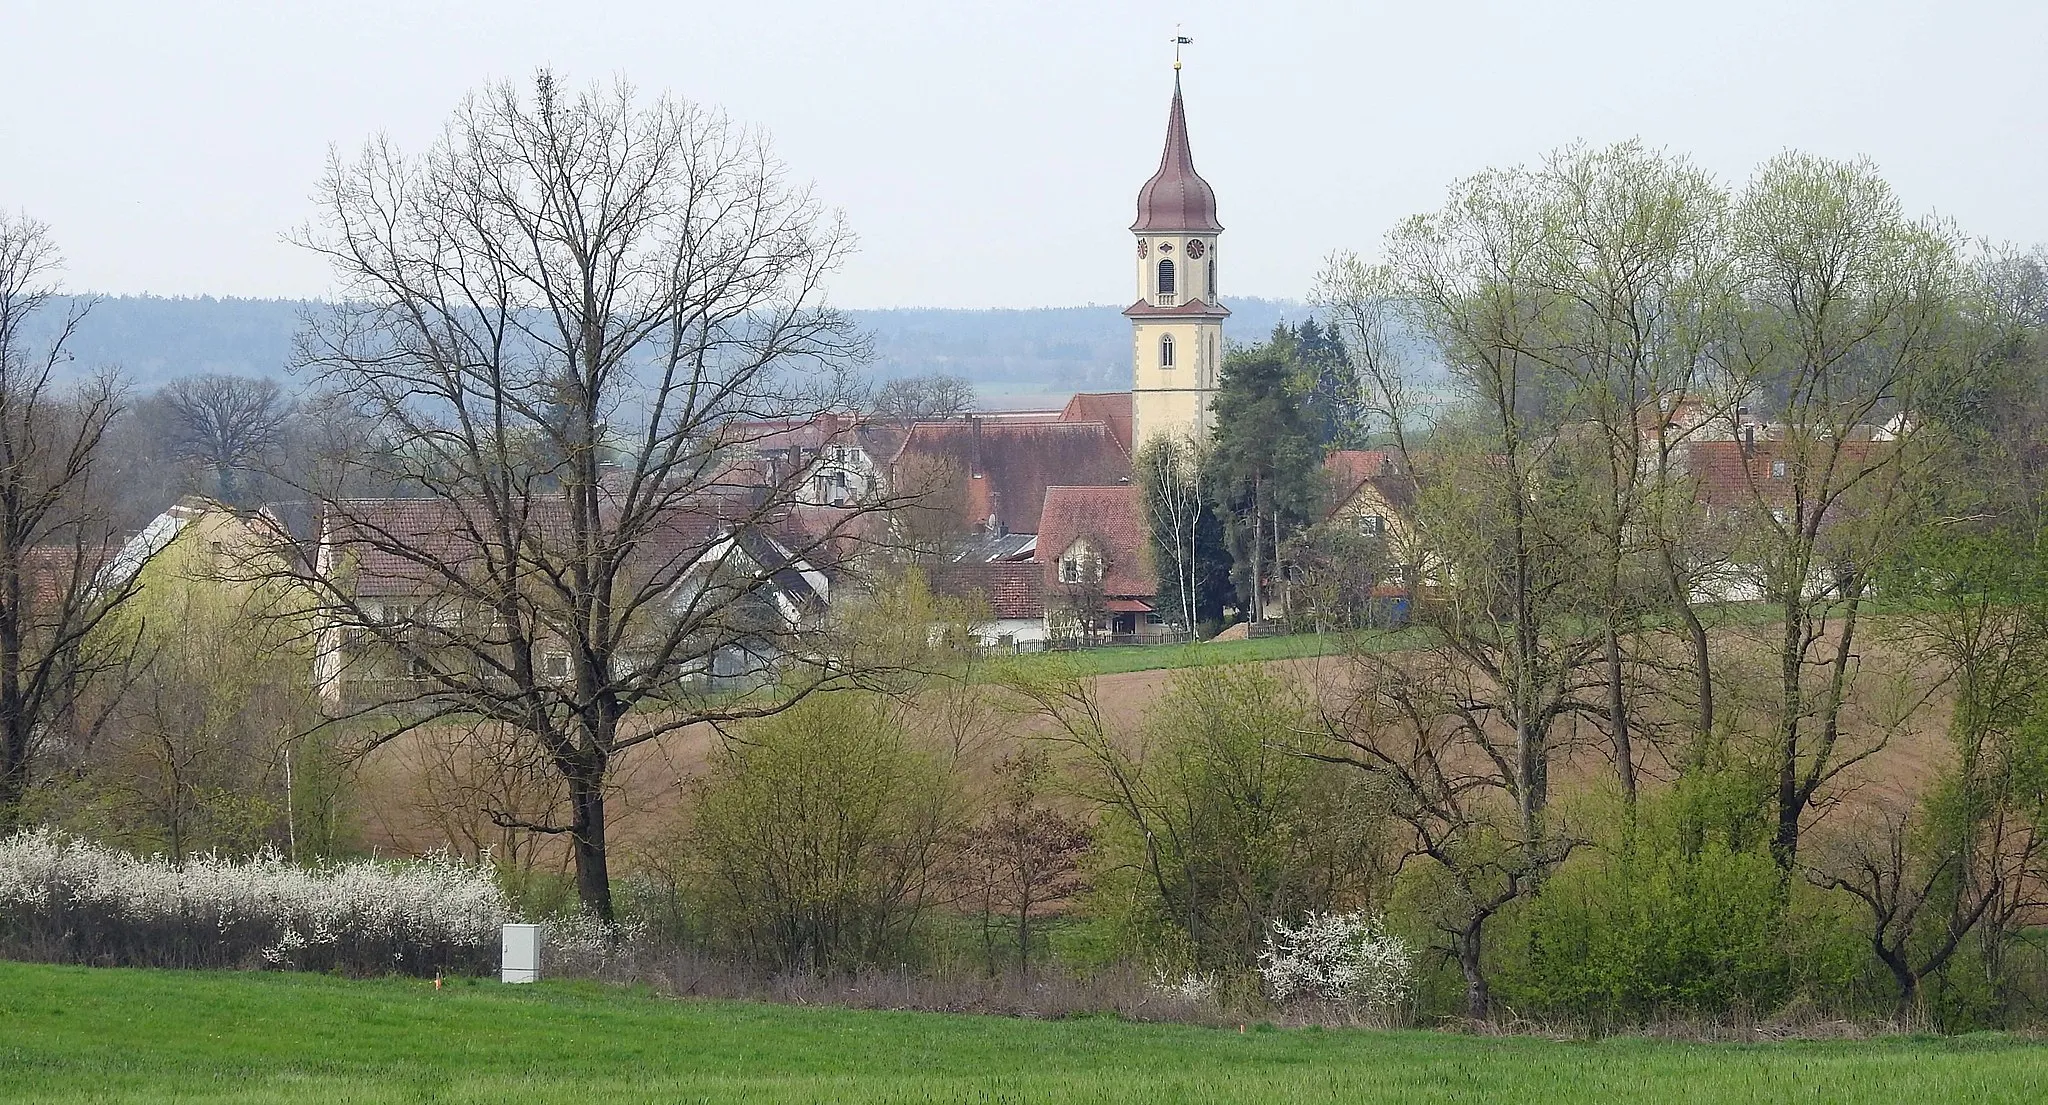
(68, 900)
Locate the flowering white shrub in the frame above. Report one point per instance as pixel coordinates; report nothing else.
(1346, 959)
(585, 945)
(70, 899)
(1188, 986)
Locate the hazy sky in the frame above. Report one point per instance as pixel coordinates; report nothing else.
(989, 155)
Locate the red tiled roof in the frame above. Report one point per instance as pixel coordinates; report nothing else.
(1732, 473)
(1008, 466)
(1177, 198)
(410, 546)
(1352, 469)
(51, 574)
(1110, 518)
(1113, 407)
(1013, 589)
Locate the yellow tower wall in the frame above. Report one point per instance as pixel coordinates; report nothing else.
(1175, 401)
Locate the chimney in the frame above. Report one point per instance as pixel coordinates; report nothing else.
(1748, 439)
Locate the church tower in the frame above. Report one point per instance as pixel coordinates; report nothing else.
(1177, 322)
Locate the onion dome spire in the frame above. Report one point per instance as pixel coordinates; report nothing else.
(1176, 198)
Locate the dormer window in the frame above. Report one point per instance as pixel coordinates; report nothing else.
(1166, 350)
(1080, 564)
(1165, 278)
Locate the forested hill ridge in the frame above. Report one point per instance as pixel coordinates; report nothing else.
(1046, 350)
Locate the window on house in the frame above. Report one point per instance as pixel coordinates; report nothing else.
(555, 665)
(1080, 565)
(1166, 350)
(1777, 469)
(1372, 525)
(1165, 278)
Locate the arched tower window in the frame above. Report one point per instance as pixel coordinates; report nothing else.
(1166, 350)
(1166, 278)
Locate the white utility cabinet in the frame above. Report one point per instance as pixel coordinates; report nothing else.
(522, 954)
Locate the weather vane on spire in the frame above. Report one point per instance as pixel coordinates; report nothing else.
(1179, 40)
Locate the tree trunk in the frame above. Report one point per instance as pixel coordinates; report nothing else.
(1702, 658)
(593, 872)
(1478, 1000)
(14, 724)
(1257, 610)
(1902, 974)
(1785, 839)
(1024, 937)
(1617, 720)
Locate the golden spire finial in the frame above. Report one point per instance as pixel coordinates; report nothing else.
(1179, 40)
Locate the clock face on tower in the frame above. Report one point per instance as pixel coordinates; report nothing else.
(1144, 247)
(1196, 248)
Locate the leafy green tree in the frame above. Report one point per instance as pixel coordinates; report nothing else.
(1212, 827)
(1263, 470)
(1327, 382)
(1850, 313)
(818, 838)
(209, 743)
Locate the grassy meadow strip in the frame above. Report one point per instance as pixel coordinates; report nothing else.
(70, 1034)
(1118, 659)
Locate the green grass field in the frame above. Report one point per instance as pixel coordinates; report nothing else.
(75, 1034)
(1126, 658)
(1122, 658)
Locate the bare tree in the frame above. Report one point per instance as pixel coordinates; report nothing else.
(229, 424)
(56, 539)
(561, 319)
(1455, 782)
(1920, 902)
(1170, 485)
(908, 399)
(1024, 857)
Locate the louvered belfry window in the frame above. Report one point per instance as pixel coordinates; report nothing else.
(1165, 278)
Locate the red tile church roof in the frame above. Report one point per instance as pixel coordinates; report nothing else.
(1113, 407)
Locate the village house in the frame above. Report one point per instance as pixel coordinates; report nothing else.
(405, 580)
(1099, 582)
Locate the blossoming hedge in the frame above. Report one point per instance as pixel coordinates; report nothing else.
(69, 900)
